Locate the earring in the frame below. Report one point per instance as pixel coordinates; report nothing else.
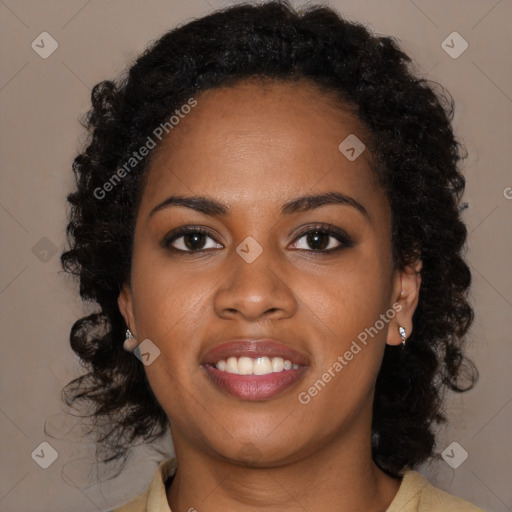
(401, 330)
(130, 343)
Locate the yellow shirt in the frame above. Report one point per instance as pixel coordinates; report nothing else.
(415, 494)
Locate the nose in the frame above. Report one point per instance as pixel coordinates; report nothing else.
(256, 291)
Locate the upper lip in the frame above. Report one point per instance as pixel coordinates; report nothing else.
(250, 347)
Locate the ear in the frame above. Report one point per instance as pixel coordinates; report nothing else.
(406, 291)
(125, 303)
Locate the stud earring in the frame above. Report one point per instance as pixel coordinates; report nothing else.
(401, 330)
(130, 343)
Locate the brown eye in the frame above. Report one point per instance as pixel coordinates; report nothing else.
(322, 239)
(188, 240)
(318, 240)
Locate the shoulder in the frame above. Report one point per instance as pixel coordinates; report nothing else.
(138, 504)
(417, 494)
(154, 499)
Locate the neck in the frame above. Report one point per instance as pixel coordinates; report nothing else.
(340, 476)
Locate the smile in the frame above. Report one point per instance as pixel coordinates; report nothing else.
(254, 387)
(255, 366)
(255, 370)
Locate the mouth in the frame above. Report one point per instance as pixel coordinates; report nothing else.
(254, 369)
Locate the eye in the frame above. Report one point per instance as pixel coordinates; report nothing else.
(193, 239)
(318, 237)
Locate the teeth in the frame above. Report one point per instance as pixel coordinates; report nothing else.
(232, 365)
(277, 364)
(257, 366)
(245, 366)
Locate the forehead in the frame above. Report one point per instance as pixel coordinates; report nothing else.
(259, 142)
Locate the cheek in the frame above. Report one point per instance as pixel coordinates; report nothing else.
(348, 297)
(344, 307)
(170, 305)
(348, 346)
(168, 297)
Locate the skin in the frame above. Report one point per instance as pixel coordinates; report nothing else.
(254, 147)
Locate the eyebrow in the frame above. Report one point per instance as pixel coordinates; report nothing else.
(213, 207)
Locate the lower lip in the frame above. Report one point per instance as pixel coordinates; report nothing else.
(255, 387)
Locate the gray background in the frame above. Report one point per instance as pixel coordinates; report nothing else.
(41, 100)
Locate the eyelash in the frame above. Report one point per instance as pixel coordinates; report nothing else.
(337, 233)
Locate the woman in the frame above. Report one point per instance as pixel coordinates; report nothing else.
(268, 207)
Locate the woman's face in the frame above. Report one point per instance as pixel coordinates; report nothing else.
(254, 148)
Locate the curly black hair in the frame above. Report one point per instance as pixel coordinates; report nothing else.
(416, 159)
